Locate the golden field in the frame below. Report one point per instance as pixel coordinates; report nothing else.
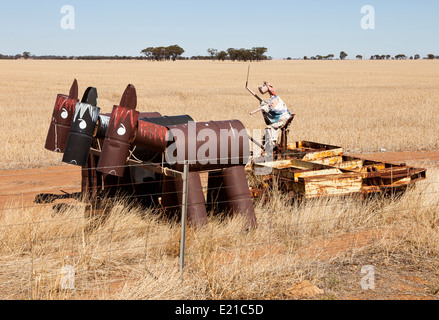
(363, 106)
(297, 249)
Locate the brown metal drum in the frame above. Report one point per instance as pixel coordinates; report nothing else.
(60, 125)
(196, 208)
(238, 194)
(153, 133)
(216, 196)
(152, 136)
(173, 195)
(149, 115)
(104, 122)
(114, 157)
(120, 133)
(90, 179)
(204, 153)
(169, 200)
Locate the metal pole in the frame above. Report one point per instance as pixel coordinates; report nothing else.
(184, 215)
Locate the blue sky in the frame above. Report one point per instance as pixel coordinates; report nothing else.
(287, 28)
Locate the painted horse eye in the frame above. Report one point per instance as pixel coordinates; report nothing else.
(121, 131)
(82, 124)
(64, 113)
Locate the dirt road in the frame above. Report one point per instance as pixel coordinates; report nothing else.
(22, 186)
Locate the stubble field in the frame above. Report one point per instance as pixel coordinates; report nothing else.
(363, 106)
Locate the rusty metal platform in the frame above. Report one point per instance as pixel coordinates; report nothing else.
(312, 170)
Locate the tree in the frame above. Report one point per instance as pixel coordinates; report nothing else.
(240, 54)
(359, 57)
(26, 55)
(259, 53)
(160, 53)
(329, 56)
(400, 57)
(213, 53)
(232, 54)
(417, 57)
(222, 55)
(343, 55)
(174, 52)
(430, 56)
(163, 53)
(148, 52)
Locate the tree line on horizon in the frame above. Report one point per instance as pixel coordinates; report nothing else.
(175, 52)
(161, 53)
(343, 55)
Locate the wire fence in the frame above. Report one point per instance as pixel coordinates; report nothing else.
(116, 249)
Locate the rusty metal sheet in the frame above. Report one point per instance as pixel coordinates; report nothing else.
(291, 168)
(350, 164)
(312, 151)
(329, 161)
(327, 172)
(332, 185)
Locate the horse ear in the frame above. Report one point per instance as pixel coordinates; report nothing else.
(74, 90)
(90, 96)
(129, 98)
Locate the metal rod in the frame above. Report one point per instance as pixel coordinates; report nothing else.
(256, 143)
(254, 94)
(256, 111)
(184, 215)
(248, 74)
(249, 90)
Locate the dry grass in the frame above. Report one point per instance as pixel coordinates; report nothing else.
(359, 105)
(133, 254)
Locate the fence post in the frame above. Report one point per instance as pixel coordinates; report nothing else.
(184, 215)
